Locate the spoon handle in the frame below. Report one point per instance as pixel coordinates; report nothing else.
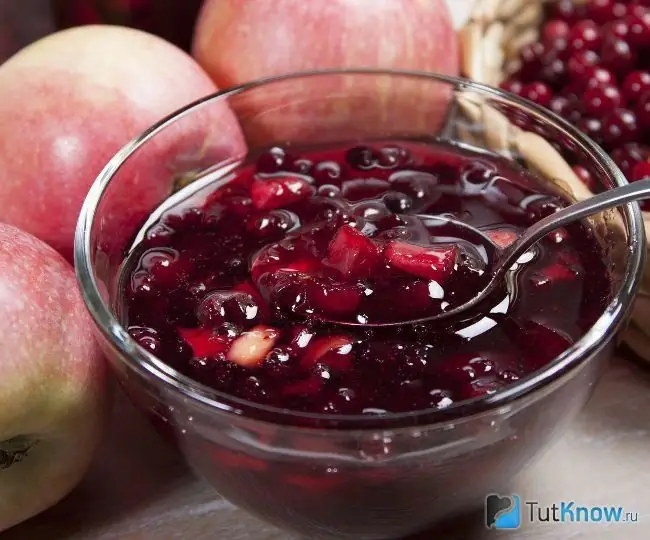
(602, 201)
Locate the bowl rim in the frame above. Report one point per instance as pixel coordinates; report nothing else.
(148, 365)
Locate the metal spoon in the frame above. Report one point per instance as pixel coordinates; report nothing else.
(501, 260)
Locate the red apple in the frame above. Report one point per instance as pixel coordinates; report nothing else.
(70, 101)
(52, 378)
(237, 42)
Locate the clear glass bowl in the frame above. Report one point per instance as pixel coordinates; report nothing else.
(347, 477)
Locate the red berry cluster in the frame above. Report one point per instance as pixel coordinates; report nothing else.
(592, 67)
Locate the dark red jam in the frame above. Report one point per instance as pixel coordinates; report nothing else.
(240, 287)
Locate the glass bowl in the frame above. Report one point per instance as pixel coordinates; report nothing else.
(336, 476)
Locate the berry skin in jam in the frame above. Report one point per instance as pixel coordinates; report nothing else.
(232, 290)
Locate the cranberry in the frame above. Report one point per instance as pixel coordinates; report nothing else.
(147, 338)
(583, 174)
(204, 369)
(327, 172)
(532, 59)
(620, 127)
(361, 157)
(567, 11)
(159, 234)
(273, 224)
(571, 108)
(301, 166)
(543, 207)
(603, 11)
(187, 219)
(329, 191)
(397, 202)
(585, 35)
(618, 56)
(557, 49)
(643, 110)
(391, 157)
(222, 306)
(417, 185)
(554, 30)
(554, 73)
(273, 160)
(602, 100)
(637, 7)
(578, 64)
(641, 171)
(478, 172)
(239, 205)
(616, 29)
(512, 85)
(597, 76)
(559, 105)
(537, 92)
(592, 127)
(628, 155)
(166, 267)
(639, 25)
(635, 84)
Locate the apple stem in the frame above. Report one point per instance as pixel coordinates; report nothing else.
(15, 450)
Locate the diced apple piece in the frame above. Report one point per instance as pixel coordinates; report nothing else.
(352, 253)
(555, 273)
(502, 238)
(541, 343)
(252, 346)
(432, 263)
(334, 298)
(276, 192)
(280, 259)
(340, 345)
(203, 342)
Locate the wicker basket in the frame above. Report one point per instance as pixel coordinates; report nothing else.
(491, 40)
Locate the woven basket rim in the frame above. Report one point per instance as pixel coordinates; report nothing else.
(485, 58)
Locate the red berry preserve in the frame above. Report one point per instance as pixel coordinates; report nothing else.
(241, 285)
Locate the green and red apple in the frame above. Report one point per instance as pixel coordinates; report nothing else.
(52, 379)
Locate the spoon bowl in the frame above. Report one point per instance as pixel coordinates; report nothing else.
(501, 260)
